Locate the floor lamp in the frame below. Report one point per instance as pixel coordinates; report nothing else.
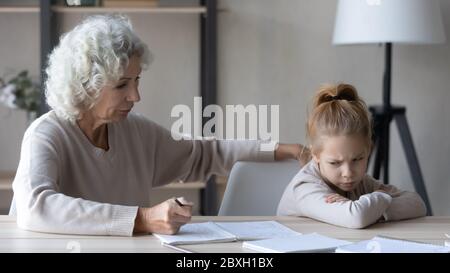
(387, 22)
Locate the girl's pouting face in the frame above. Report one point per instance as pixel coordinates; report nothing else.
(343, 160)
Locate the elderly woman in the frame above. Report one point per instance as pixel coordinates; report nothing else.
(88, 165)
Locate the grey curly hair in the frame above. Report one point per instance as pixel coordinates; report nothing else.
(92, 55)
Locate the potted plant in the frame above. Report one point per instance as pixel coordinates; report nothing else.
(21, 93)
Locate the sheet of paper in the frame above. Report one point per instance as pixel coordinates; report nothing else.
(257, 229)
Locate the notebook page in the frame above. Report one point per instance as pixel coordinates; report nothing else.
(257, 229)
(196, 233)
(313, 242)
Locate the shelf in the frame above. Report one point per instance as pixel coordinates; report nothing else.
(185, 186)
(19, 9)
(6, 179)
(64, 9)
(188, 10)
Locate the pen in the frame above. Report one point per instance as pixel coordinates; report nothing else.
(180, 249)
(179, 203)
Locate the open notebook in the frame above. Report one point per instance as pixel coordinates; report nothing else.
(380, 244)
(313, 242)
(215, 232)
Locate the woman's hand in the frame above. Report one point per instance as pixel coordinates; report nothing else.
(304, 156)
(335, 197)
(384, 188)
(293, 151)
(164, 218)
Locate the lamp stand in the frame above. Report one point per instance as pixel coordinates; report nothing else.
(382, 116)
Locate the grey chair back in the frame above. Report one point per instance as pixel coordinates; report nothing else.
(255, 188)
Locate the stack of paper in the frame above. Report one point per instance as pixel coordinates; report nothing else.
(381, 244)
(313, 242)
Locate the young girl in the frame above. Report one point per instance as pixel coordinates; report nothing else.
(334, 187)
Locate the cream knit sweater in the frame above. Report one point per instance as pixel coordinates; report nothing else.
(64, 184)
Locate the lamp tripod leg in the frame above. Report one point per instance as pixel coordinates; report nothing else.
(411, 157)
(377, 153)
(385, 149)
(378, 141)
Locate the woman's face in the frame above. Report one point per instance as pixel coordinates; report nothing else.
(116, 100)
(343, 160)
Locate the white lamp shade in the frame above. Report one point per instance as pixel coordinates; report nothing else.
(388, 21)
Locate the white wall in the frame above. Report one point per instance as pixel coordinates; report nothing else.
(270, 52)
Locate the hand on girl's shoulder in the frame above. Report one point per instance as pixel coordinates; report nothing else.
(335, 197)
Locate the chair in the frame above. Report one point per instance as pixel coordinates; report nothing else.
(255, 188)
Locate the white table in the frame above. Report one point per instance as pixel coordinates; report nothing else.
(13, 239)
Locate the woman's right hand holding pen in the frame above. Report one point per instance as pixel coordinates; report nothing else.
(164, 218)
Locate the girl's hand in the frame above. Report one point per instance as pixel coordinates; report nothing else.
(335, 197)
